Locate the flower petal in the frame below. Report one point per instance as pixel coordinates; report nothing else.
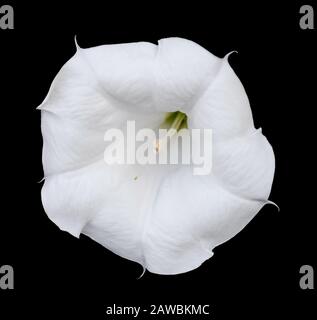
(194, 214)
(106, 196)
(223, 106)
(76, 114)
(191, 216)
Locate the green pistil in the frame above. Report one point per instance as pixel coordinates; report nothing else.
(175, 120)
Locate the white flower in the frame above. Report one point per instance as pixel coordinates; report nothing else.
(167, 220)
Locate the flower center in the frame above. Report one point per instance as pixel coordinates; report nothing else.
(173, 122)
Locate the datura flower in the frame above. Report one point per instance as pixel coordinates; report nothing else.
(163, 217)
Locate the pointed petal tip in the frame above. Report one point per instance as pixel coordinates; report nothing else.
(41, 180)
(143, 272)
(42, 106)
(230, 53)
(76, 43)
(265, 202)
(73, 232)
(274, 204)
(226, 57)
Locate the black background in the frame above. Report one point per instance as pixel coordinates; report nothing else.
(254, 275)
